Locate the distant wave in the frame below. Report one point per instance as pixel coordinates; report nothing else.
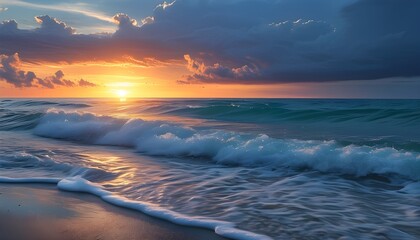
(32, 103)
(24, 114)
(18, 120)
(229, 148)
(293, 111)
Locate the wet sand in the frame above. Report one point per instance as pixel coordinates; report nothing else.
(41, 211)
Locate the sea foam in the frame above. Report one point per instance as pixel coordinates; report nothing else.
(230, 148)
(79, 184)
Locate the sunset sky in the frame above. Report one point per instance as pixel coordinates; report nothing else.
(210, 48)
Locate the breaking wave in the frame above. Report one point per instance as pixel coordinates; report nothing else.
(229, 148)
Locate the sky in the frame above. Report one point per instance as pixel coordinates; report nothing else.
(210, 48)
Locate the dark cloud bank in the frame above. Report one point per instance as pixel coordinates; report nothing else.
(243, 41)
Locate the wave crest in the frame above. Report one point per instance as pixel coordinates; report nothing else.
(230, 148)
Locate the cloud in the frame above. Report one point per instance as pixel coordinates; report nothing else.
(126, 26)
(301, 30)
(123, 20)
(147, 20)
(58, 79)
(84, 83)
(54, 41)
(63, 7)
(362, 40)
(217, 72)
(52, 26)
(246, 41)
(8, 26)
(11, 72)
(164, 5)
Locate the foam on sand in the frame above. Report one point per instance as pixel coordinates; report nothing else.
(79, 184)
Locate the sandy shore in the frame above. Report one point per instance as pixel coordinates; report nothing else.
(35, 211)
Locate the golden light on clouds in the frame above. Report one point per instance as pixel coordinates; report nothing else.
(123, 81)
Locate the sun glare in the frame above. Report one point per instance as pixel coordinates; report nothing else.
(122, 94)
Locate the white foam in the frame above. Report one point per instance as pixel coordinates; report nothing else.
(222, 228)
(167, 139)
(75, 126)
(234, 233)
(79, 184)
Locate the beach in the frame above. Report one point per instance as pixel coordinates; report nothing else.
(41, 211)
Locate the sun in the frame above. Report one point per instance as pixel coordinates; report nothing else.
(122, 94)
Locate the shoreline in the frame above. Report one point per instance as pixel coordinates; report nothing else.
(42, 211)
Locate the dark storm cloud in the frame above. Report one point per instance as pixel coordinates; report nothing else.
(385, 36)
(11, 72)
(246, 41)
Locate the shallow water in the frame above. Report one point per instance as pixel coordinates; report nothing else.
(287, 169)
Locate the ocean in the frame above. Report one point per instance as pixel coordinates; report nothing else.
(245, 168)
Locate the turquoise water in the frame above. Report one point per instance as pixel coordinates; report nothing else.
(274, 168)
